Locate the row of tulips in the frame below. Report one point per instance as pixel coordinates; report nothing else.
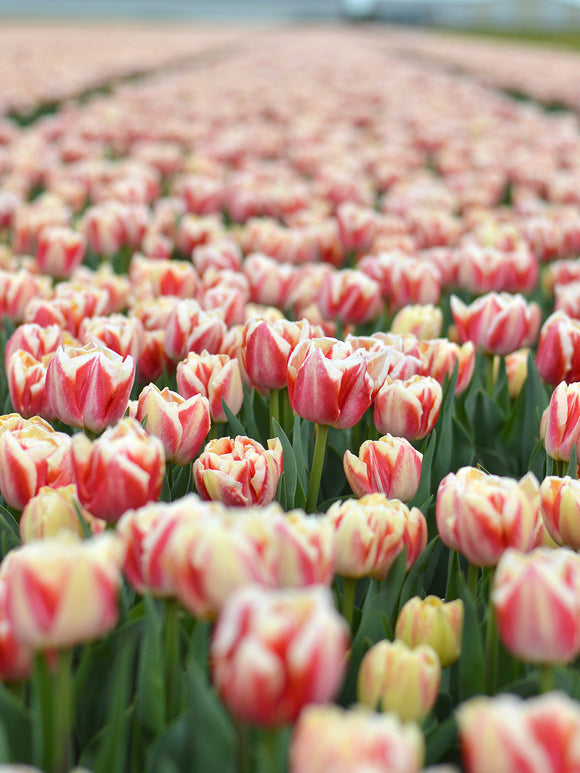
(156, 353)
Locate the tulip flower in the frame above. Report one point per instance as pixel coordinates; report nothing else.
(558, 357)
(122, 469)
(536, 598)
(408, 409)
(560, 425)
(440, 356)
(27, 384)
(481, 515)
(350, 296)
(507, 734)
(425, 322)
(433, 622)
(123, 335)
(497, 323)
(304, 550)
(54, 511)
(89, 386)
(561, 509)
(393, 677)
(331, 738)
(273, 652)
(190, 329)
(59, 251)
(180, 424)
(15, 657)
(389, 465)
(36, 340)
(239, 472)
(215, 376)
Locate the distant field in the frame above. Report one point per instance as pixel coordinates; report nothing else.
(568, 39)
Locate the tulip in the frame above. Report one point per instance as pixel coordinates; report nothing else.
(89, 386)
(59, 251)
(30, 458)
(393, 677)
(403, 280)
(408, 409)
(271, 282)
(440, 357)
(506, 734)
(60, 593)
(497, 323)
(153, 361)
(36, 340)
(561, 509)
(350, 296)
(560, 425)
(15, 657)
(123, 335)
(481, 515)
(215, 376)
(239, 472)
(190, 329)
(425, 322)
(180, 424)
(53, 511)
(558, 357)
(536, 598)
(122, 469)
(516, 365)
(18, 289)
(273, 652)
(433, 622)
(27, 384)
(153, 278)
(304, 550)
(389, 465)
(330, 738)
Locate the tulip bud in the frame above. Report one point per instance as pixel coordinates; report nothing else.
(350, 296)
(560, 425)
(239, 472)
(408, 409)
(215, 376)
(180, 424)
(536, 598)
(55, 510)
(304, 550)
(273, 652)
(27, 384)
(80, 579)
(59, 251)
(425, 322)
(90, 386)
(393, 677)
(433, 622)
(330, 738)
(561, 509)
(189, 329)
(389, 465)
(266, 348)
(123, 335)
(558, 356)
(122, 469)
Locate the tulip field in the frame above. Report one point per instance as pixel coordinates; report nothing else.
(289, 402)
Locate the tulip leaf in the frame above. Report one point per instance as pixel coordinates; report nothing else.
(421, 573)
(300, 454)
(9, 531)
(150, 698)
(249, 414)
(236, 426)
(572, 470)
(462, 450)
(471, 662)
(290, 466)
(182, 482)
(501, 393)
(452, 590)
(441, 741)
(424, 489)
(441, 465)
(15, 728)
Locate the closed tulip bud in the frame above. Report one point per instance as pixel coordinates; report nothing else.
(121, 470)
(507, 734)
(79, 583)
(328, 383)
(389, 465)
(393, 677)
(440, 357)
(561, 509)
(56, 510)
(304, 550)
(215, 376)
(153, 361)
(189, 329)
(18, 289)
(330, 738)
(36, 340)
(408, 409)
(350, 296)
(266, 348)
(433, 622)
(180, 424)
(153, 278)
(558, 356)
(371, 532)
(425, 322)
(497, 323)
(89, 387)
(239, 472)
(516, 365)
(482, 515)
(536, 598)
(27, 384)
(59, 251)
(560, 425)
(30, 458)
(123, 335)
(273, 652)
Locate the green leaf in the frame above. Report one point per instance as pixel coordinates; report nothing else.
(236, 426)
(424, 490)
(421, 573)
(150, 698)
(182, 482)
(299, 454)
(444, 427)
(573, 463)
(16, 738)
(441, 741)
(471, 663)
(290, 467)
(9, 531)
(248, 413)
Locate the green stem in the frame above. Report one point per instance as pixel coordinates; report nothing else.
(213, 432)
(490, 373)
(560, 468)
(316, 471)
(472, 576)
(274, 409)
(547, 681)
(269, 751)
(54, 706)
(348, 600)
(171, 655)
(491, 640)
